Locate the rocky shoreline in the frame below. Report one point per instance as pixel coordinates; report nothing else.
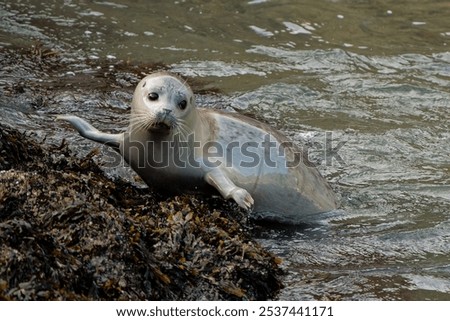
(69, 232)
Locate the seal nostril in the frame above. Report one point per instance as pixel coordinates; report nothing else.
(167, 111)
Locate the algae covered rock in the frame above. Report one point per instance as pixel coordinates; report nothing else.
(68, 232)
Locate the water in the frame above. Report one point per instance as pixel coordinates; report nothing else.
(370, 78)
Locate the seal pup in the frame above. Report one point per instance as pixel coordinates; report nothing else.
(176, 147)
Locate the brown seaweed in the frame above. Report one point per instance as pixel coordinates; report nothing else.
(67, 232)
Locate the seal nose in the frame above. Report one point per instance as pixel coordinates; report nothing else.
(167, 111)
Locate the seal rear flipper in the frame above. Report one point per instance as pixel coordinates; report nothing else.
(90, 132)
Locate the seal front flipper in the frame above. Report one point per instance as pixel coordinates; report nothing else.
(228, 189)
(90, 132)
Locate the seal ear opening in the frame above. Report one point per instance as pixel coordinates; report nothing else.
(145, 83)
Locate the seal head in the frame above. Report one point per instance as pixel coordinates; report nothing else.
(162, 104)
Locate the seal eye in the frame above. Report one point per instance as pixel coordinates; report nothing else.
(153, 96)
(182, 105)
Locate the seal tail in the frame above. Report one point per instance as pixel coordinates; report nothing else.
(90, 132)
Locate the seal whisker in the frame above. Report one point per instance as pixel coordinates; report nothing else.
(138, 123)
(183, 84)
(184, 130)
(142, 120)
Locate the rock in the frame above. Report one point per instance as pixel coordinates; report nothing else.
(67, 232)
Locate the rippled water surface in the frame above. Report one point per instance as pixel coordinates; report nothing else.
(368, 79)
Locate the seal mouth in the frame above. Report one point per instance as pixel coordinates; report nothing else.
(160, 127)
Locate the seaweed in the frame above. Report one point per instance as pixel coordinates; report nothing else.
(68, 232)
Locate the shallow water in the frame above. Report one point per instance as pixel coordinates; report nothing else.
(370, 79)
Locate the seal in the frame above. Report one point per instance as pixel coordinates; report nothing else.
(177, 147)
